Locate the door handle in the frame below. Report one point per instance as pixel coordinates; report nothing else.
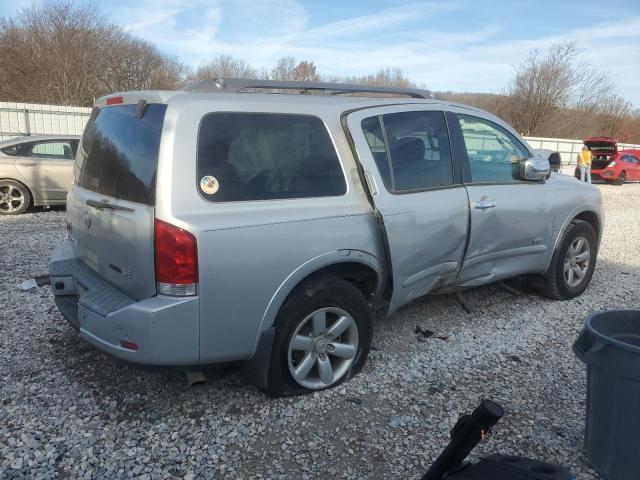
(484, 204)
(26, 164)
(371, 183)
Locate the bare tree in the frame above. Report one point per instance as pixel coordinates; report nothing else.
(289, 69)
(592, 87)
(67, 54)
(384, 77)
(542, 84)
(615, 112)
(305, 71)
(284, 69)
(223, 66)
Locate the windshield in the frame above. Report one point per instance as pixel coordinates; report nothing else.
(118, 154)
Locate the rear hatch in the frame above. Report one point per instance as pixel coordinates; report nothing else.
(603, 149)
(111, 205)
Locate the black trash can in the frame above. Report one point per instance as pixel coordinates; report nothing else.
(610, 346)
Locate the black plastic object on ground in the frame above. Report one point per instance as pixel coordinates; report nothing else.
(610, 346)
(466, 434)
(505, 467)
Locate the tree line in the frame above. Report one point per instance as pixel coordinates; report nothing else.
(69, 54)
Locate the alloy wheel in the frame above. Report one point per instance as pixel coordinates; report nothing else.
(323, 348)
(11, 198)
(576, 261)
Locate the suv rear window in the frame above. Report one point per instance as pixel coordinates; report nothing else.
(263, 156)
(118, 154)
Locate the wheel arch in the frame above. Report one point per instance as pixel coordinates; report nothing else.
(362, 269)
(590, 216)
(592, 219)
(349, 263)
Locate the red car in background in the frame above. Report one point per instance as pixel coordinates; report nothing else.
(609, 164)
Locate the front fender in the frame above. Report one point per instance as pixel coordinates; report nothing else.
(595, 208)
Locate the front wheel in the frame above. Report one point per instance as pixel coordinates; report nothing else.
(322, 337)
(572, 264)
(621, 179)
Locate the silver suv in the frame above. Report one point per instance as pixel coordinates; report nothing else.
(229, 222)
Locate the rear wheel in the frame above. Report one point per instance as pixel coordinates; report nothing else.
(572, 264)
(14, 197)
(621, 179)
(322, 337)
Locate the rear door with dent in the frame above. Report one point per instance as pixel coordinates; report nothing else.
(414, 180)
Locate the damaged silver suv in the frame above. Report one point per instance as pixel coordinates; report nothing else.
(241, 220)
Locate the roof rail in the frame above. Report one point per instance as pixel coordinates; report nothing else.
(237, 85)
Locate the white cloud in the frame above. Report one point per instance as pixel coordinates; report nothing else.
(407, 36)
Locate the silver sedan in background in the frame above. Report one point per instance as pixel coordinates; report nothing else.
(35, 170)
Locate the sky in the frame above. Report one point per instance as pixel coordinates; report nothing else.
(459, 45)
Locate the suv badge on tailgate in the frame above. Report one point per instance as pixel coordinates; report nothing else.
(86, 219)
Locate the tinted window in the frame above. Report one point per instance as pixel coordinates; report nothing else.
(411, 149)
(118, 154)
(257, 156)
(19, 150)
(60, 149)
(494, 154)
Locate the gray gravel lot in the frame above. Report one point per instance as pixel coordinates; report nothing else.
(69, 411)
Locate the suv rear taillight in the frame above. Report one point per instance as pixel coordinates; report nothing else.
(176, 255)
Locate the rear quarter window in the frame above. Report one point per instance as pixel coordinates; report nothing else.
(18, 150)
(263, 156)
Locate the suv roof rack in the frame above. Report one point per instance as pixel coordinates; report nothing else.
(237, 85)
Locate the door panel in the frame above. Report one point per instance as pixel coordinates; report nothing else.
(509, 238)
(48, 169)
(425, 228)
(426, 233)
(634, 168)
(511, 221)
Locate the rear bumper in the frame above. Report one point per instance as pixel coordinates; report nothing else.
(606, 174)
(599, 174)
(165, 329)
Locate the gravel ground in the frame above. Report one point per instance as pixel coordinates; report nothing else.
(69, 411)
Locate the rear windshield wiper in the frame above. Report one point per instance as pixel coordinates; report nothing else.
(142, 106)
(109, 206)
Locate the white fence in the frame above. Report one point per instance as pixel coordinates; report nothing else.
(567, 148)
(18, 119)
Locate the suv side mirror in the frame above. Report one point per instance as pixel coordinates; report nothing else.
(534, 168)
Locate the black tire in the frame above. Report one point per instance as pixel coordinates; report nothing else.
(312, 295)
(621, 179)
(19, 192)
(554, 284)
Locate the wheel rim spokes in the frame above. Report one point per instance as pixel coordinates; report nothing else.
(576, 262)
(319, 322)
(325, 370)
(11, 198)
(322, 348)
(303, 369)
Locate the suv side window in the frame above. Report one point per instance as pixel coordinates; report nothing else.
(494, 154)
(264, 156)
(61, 149)
(411, 150)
